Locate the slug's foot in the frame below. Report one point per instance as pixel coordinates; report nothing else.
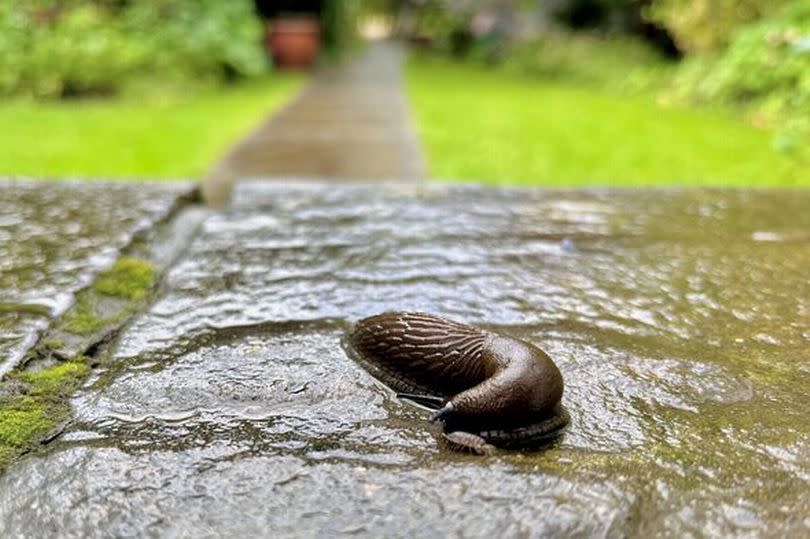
(443, 413)
(530, 437)
(431, 402)
(466, 442)
(462, 436)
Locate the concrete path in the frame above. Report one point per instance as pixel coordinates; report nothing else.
(352, 122)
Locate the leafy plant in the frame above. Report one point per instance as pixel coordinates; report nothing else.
(766, 67)
(620, 63)
(78, 47)
(701, 26)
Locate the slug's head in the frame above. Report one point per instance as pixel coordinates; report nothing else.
(525, 387)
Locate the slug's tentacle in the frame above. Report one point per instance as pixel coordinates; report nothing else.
(443, 413)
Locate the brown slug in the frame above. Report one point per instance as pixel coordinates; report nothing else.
(488, 389)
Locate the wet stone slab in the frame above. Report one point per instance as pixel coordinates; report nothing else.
(680, 321)
(55, 237)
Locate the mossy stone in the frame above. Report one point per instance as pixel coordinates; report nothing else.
(129, 278)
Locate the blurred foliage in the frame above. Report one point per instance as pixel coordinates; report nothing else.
(430, 19)
(697, 26)
(752, 55)
(52, 48)
(766, 67)
(592, 13)
(618, 63)
(708, 25)
(340, 23)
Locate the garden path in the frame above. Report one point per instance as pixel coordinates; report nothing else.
(351, 122)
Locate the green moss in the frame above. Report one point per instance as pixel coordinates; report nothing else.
(53, 344)
(6, 454)
(35, 402)
(129, 278)
(18, 426)
(82, 319)
(56, 379)
(38, 407)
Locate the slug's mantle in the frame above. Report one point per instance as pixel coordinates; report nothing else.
(487, 389)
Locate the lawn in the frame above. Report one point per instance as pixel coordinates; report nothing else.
(499, 127)
(170, 136)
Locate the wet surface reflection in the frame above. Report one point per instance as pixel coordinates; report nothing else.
(54, 237)
(230, 406)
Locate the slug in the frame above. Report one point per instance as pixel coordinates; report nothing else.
(488, 390)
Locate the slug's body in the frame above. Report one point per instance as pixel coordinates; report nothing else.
(489, 389)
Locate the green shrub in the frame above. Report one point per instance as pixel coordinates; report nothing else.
(701, 26)
(340, 23)
(591, 59)
(766, 67)
(52, 49)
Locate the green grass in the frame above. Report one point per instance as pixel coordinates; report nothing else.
(159, 137)
(500, 127)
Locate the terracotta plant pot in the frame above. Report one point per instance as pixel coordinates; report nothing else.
(294, 42)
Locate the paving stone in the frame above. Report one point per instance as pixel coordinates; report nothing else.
(55, 237)
(230, 407)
